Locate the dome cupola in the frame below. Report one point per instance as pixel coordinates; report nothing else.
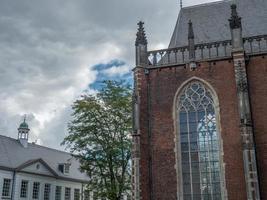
(23, 133)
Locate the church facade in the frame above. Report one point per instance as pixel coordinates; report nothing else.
(199, 129)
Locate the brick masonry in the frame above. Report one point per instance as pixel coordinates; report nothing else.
(163, 84)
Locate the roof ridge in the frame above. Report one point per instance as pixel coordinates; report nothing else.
(33, 144)
(206, 4)
(7, 137)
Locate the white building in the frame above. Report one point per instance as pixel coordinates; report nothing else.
(29, 171)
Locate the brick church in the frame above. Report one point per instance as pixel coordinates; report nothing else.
(200, 125)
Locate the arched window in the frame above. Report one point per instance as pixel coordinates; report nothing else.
(200, 171)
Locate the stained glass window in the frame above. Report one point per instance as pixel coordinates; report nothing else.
(199, 142)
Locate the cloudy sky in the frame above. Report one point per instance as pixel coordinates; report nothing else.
(51, 51)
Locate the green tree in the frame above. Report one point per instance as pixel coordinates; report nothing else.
(99, 135)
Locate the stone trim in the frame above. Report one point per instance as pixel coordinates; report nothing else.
(177, 141)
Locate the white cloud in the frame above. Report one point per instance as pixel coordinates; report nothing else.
(117, 71)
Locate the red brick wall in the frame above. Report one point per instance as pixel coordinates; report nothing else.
(220, 75)
(257, 76)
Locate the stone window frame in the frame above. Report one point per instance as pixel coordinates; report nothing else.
(177, 148)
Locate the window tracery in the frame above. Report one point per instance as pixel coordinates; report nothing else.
(199, 144)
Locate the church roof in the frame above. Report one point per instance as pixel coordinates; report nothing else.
(13, 155)
(210, 21)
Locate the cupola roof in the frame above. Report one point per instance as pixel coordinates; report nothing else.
(24, 125)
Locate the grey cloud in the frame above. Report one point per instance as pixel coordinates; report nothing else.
(48, 50)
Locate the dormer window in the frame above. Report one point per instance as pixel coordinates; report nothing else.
(64, 168)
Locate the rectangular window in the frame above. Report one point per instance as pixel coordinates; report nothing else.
(58, 193)
(66, 168)
(35, 190)
(86, 195)
(76, 194)
(6, 187)
(67, 193)
(24, 189)
(47, 190)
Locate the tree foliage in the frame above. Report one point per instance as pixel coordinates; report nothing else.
(99, 135)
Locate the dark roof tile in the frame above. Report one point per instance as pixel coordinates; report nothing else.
(13, 155)
(210, 21)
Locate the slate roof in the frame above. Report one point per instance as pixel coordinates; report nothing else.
(13, 155)
(210, 21)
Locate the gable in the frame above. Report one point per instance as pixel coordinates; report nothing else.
(37, 167)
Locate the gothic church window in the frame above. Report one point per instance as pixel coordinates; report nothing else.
(199, 144)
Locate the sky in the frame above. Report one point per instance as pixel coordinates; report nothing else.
(52, 51)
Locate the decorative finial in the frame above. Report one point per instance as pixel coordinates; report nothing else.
(181, 4)
(191, 45)
(141, 35)
(190, 30)
(235, 20)
(25, 116)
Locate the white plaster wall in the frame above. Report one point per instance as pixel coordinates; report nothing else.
(35, 178)
(44, 180)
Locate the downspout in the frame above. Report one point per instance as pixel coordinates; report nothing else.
(150, 168)
(82, 192)
(141, 62)
(13, 185)
(244, 106)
